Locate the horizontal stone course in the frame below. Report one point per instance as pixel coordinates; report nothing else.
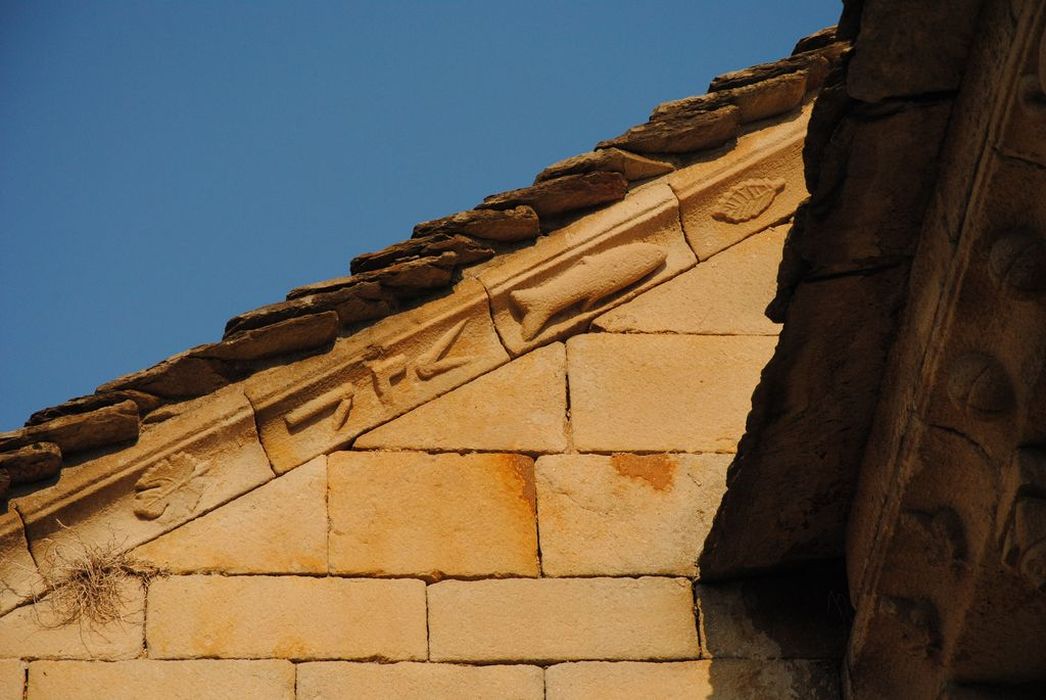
(418, 681)
(561, 619)
(290, 617)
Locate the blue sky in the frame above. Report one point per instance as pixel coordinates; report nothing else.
(167, 165)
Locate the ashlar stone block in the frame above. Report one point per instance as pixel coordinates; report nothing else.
(758, 184)
(561, 619)
(280, 527)
(416, 514)
(12, 679)
(555, 287)
(202, 679)
(724, 295)
(320, 404)
(671, 393)
(626, 514)
(521, 407)
(327, 680)
(288, 617)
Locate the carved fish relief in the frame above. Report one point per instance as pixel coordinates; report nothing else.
(747, 200)
(170, 486)
(596, 277)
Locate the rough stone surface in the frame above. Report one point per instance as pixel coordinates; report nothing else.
(280, 527)
(728, 679)
(632, 166)
(12, 679)
(521, 407)
(185, 375)
(816, 64)
(290, 617)
(414, 681)
(693, 131)
(34, 462)
(506, 225)
(464, 251)
(172, 680)
(85, 404)
(724, 295)
(19, 578)
(80, 432)
(555, 287)
(411, 513)
(561, 619)
(280, 338)
(758, 100)
(661, 392)
(627, 514)
(818, 40)
(354, 300)
(563, 194)
(33, 631)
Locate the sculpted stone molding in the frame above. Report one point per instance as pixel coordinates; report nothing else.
(172, 487)
(1023, 520)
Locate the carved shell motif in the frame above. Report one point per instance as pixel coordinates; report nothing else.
(172, 486)
(747, 200)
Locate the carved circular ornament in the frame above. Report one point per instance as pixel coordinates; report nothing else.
(1018, 263)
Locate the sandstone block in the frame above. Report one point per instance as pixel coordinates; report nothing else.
(19, 578)
(182, 376)
(280, 527)
(626, 514)
(563, 194)
(521, 407)
(178, 469)
(291, 617)
(108, 425)
(35, 631)
(744, 192)
(12, 679)
(757, 100)
(816, 63)
(555, 287)
(662, 393)
(280, 338)
(172, 680)
(464, 251)
(322, 403)
(353, 299)
(34, 462)
(692, 131)
(725, 679)
(416, 681)
(632, 166)
(505, 225)
(411, 513)
(724, 295)
(561, 619)
(85, 404)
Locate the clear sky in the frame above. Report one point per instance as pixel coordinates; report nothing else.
(167, 165)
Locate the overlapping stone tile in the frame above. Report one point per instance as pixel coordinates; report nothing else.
(411, 513)
(280, 527)
(662, 393)
(555, 287)
(407, 680)
(625, 515)
(321, 403)
(184, 466)
(724, 295)
(521, 407)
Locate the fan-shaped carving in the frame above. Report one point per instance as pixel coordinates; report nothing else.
(747, 200)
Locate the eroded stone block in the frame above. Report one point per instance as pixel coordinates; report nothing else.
(411, 513)
(19, 578)
(415, 681)
(320, 404)
(561, 619)
(626, 514)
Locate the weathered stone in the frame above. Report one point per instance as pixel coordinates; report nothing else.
(186, 375)
(627, 514)
(759, 184)
(358, 301)
(416, 681)
(86, 404)
(420, 274)
(35, 631)
(411, 513)
(766, 98)
(184, 466)
(561, 619)
(280, 338)
(506, 225)
(521, 407)
(692, 131)
(463, 250)
(319, 404)
(632, 166)
(280, 527)
(34, 462)
(724, 295)
(109, 425)
(12, 679)
(693, 680)
(290, 617)
(144, 678)
(555, 287)
(817, 64)
(662, 392)
(19, 578)
(563, 194)
(818, 40)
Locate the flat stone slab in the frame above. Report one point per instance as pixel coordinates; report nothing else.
(724, 295)
(416, 514)
(414, 681)
(19, 577)
(664, 393)
(561, 619)
(626, 515)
